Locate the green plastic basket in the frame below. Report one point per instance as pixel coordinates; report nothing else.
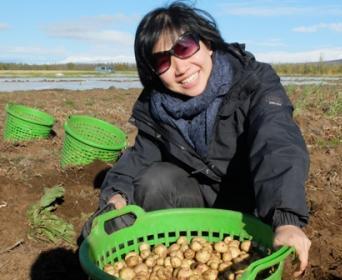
(88, 138)
(165, 226)
(25, 123)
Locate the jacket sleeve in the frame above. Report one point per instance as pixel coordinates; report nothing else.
(279, 160)
(119, 179)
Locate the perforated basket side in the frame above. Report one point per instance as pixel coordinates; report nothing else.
(95, 132)
(30, 115)
(75, 152)
(87, 139)
(24, 123)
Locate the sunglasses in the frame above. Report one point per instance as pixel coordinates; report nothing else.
(186, 46)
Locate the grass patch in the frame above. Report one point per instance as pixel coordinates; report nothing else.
(325, 98)
(329, 143)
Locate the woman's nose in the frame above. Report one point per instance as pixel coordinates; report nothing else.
(180, 65)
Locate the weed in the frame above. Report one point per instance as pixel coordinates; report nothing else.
(46, 226)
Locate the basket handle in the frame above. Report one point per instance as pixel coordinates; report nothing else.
(264, 263)
(99, 221)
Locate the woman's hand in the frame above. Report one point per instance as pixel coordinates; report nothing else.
(290, 235)
(118, 201)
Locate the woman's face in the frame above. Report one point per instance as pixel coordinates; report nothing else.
(187, 76)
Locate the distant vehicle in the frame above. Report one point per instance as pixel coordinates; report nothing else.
(104, 69)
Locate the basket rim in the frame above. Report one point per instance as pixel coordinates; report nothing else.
(48, 121)
(75, 135)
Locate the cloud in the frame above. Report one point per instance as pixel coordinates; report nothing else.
(32, 50)
(296, 57)
(118, 19)
(97, 29)
(96, 37)
(270, 43)
(317, 27)
(99, 59)
(31, 54)
(4, 26)
(270, 8)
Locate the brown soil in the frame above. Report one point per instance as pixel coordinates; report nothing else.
(27, 168)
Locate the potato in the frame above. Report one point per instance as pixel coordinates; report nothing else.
(176, 262)
(202, 256)
(127, 273)
(246, 245)
(227, 256)
(108, 268)
(144, 246)
(199, 239)
(195, 246)
(224, 266)
(150, 261)
(145, 253)
(174, 247)
(213, 264)
(221, 247)
(189, 254)
(201, 268)
(210, 274)
(234, 243)
(177, 254)
(160, 250)
(182, 240)
(234, 251)
(119, 265)
(184, 273)
(141, 268)
(132, 261)
(228, 239)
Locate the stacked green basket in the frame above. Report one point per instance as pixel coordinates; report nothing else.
(165, 226)
(25, 123)
(88, 138)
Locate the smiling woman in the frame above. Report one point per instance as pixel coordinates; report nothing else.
(215, 129)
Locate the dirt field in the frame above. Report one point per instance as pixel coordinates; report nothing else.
(27, 168)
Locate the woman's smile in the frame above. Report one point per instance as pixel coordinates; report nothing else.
(188, 82)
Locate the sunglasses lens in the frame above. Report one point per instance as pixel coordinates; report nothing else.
(161, 63)
(186, 47)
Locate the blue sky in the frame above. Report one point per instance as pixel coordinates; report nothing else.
(61, 31)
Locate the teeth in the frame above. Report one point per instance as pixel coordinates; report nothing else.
(190, 79)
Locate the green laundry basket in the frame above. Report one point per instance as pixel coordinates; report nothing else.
(25, 123)
(87, 139)
(165, 226)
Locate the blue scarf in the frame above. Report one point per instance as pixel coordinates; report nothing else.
(194, 117)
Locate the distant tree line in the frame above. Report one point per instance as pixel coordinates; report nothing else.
(67, 66)
(319, 68)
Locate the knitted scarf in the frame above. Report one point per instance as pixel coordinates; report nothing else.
(195, 116)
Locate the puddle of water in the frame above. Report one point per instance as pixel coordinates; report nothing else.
(293, 80)
(125, 82)
(19, 84)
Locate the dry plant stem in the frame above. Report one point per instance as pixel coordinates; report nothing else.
(3, 204)
(10, 248)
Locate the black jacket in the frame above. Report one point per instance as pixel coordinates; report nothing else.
(257, 153)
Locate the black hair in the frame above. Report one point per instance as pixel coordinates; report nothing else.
(171, 20)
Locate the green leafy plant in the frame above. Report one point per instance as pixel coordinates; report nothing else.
(46, 226)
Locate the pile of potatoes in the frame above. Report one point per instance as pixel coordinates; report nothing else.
(184, 260)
